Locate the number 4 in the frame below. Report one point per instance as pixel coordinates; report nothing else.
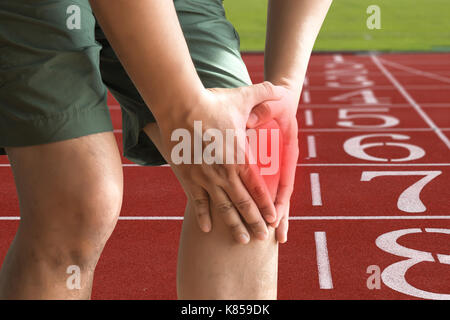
(409, 200)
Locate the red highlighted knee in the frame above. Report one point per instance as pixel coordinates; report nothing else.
(269, 151)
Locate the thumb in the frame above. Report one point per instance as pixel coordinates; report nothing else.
(260, 115)
(259, 93)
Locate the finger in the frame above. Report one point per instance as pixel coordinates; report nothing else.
(258, 190)
(282, 203)
(285, 190)
(200, 201)
(288, 168)
(282, 230)
(268, 110)
(260, 115)
(258, 93)
(228, 213)
(247, 208)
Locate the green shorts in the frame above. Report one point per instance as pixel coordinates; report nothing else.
(54, 71)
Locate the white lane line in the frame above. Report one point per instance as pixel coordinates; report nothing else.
(310, 122)
(306, 81)
(373, 165)
(411, 101)
(370, 129)
(382, 87)
(126, 165)
(338, 58)
(390, 105)
(306, 97)
(312, 151)
(323, 261)
(415, 71)
(318, 73)
(341, 105)
(309, 118)
(293, 218)
(302, 218)
(316, 195)
(160, 218)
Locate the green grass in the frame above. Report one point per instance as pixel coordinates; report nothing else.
(406, 25)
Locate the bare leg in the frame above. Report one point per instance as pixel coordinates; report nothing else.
(214, 266)
(70, 195)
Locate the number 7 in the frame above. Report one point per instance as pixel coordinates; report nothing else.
(409, 200)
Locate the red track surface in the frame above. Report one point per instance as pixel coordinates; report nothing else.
(346, 197)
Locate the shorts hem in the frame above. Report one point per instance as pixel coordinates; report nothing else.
(68, 125)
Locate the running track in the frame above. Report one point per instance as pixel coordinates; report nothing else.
(372, 190)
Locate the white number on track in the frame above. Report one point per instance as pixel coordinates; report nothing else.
(409, 200)
(356, 148)
(388, 121)
(394, 275)
(365, 96)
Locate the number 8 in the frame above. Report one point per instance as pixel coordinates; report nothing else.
(394, 275)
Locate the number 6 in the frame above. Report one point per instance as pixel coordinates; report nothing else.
(356, 148)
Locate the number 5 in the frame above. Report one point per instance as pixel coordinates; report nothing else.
(388, 121)
(409, 200)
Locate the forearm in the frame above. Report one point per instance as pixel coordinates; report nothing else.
(148, 39)
(292, 29)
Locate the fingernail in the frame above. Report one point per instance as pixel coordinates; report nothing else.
(277, 223)
(206, 227)
(244, 238)
(261, 235)
(270, 218)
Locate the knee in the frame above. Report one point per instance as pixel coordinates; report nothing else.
(95, 212)
(76, 226)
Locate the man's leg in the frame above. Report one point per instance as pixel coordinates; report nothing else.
(213, 266)
(70, 196)
(210, 265)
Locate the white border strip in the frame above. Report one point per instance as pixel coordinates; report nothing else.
(393, 129)
(373, 165)
(311, 142)
(309, 118)
(323, 261)
(411, 101)
(426, 74)
(294, 218)
(316, 195)
(127, 165)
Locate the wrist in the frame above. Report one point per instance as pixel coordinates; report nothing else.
(294, 86)
(176, 112)
(179, 107)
